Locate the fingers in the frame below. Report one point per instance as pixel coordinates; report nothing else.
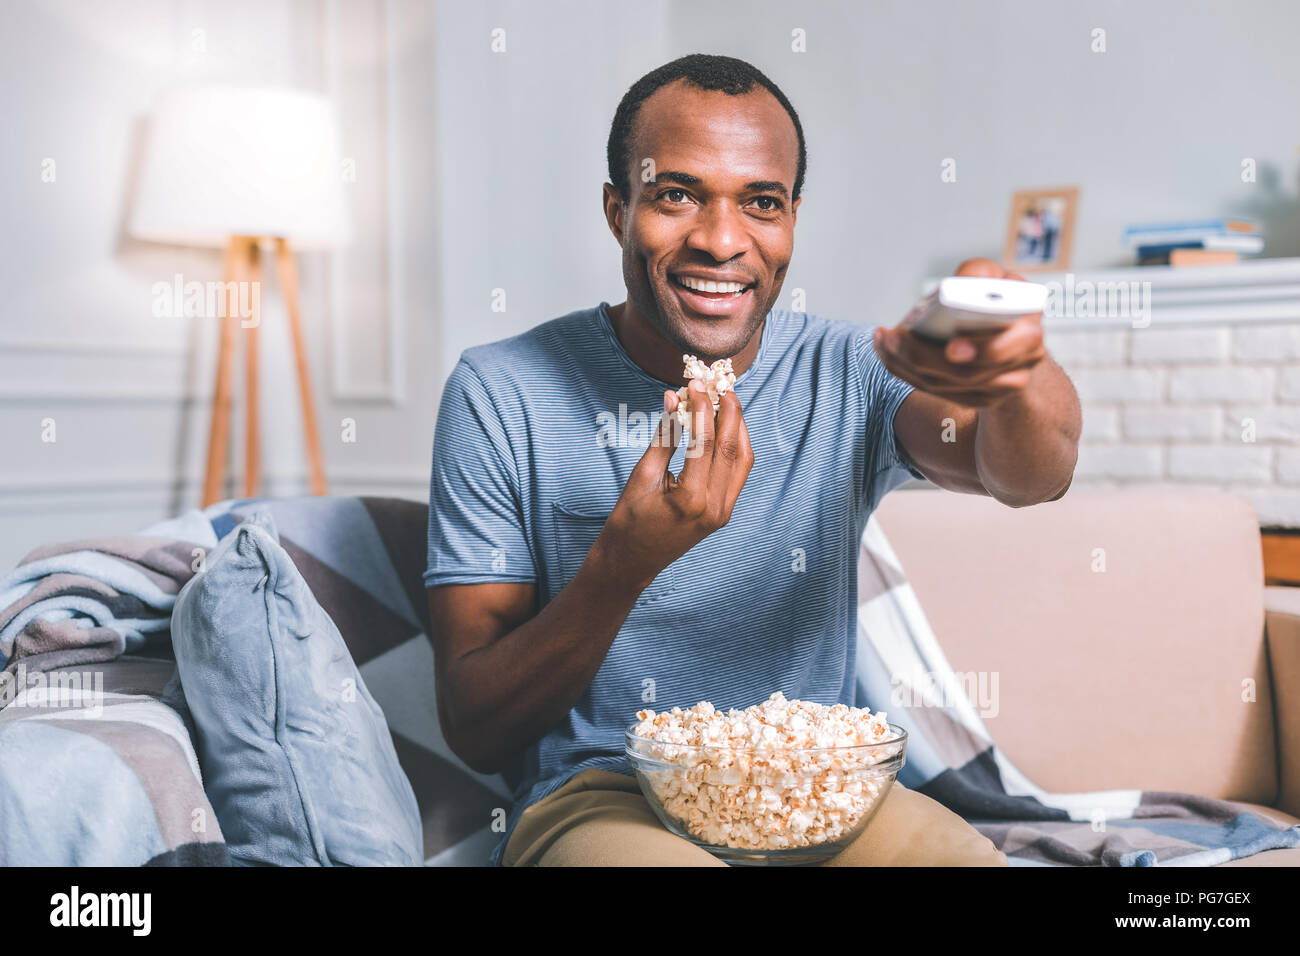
(1018, 343)
(732, 459)
(740, 472)
(651, 470)
(948, 386)
(986, 268)
(728, 451)
(980, 267)
(718, 459)
(699, 452)
(1000, 388)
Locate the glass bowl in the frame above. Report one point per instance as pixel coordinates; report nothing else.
(768, 807)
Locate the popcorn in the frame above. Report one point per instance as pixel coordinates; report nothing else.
(717, 378)
(754, 779)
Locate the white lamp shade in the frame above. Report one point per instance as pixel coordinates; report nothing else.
(247, 161)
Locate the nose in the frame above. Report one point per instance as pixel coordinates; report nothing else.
(719, 230)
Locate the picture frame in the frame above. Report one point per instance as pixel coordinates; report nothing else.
(1040, 230)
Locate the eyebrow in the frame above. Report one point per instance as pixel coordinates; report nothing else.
(686, 179)
(767, 186)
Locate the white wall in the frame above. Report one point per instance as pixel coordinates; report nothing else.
(479, 171)
(521, 146)
(1155, 127)
(129, 393)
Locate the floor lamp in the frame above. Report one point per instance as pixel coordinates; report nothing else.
(243, 264)
(250, 169)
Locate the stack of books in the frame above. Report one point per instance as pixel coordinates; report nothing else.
(1199, 242)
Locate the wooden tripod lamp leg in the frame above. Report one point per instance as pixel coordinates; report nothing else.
(287, 273)
(252, 429)
(219, 433)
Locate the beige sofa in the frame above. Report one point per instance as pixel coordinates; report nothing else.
(1135, 643)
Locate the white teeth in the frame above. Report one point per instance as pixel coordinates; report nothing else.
(702, 285)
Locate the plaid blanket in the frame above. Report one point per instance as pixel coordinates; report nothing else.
(952, 758)
(88, 601)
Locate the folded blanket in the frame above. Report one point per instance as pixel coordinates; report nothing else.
(88, 601)
(951, 756)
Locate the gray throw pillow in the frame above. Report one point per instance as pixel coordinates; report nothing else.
(297, 758)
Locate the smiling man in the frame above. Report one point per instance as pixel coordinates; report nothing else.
(579, 573)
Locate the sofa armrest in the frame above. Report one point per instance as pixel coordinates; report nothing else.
(1282, 627)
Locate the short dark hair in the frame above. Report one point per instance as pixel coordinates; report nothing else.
(708, 72)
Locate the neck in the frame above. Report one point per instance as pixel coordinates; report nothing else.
(659, 357)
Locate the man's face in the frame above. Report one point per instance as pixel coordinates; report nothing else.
(718, 210)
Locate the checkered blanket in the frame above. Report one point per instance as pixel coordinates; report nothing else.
(952, 758)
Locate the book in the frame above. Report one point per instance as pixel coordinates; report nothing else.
(1202, 257)
(1239, 243)
(1190, 257)
(1168, 232)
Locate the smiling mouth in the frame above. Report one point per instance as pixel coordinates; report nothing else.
(712, 290)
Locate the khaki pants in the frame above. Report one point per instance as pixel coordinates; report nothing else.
(601, 818)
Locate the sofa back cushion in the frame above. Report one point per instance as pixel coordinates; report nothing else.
(1124, 630)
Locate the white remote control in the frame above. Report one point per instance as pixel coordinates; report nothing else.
(973, 304)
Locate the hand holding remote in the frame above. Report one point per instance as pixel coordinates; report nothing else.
(973, 368)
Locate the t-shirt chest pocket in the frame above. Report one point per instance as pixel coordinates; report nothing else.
(576, 528)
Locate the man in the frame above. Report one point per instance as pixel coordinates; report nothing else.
(580, 568)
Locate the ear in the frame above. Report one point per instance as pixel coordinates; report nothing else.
(614, 211)
(794, 212)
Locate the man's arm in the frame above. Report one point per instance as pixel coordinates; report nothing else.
(505, 676)
(1021, 451)
(992, 413)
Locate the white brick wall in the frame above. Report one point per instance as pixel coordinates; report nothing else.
(1240, 462)
(1271, 423)
(1202, 422)
(1288, 385)
(1179, 345)
(1266, 343)
(1288, 466)
(1119, 461)
(1222, 383)
(1117, 384)
(1100, 424)
(1090, 348)
(1197, 405)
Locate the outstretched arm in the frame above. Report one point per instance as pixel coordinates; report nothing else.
(992, 414)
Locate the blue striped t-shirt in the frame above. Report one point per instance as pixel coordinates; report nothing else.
(536, 437)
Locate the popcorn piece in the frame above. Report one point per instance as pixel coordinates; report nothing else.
(717, 378)
(766, 785)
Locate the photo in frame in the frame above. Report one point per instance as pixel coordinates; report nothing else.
(1040, 233)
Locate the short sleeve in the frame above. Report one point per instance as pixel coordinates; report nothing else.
(476, 529)
(888, 466)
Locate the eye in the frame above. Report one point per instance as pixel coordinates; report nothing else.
(679, 196)
(774, 204)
